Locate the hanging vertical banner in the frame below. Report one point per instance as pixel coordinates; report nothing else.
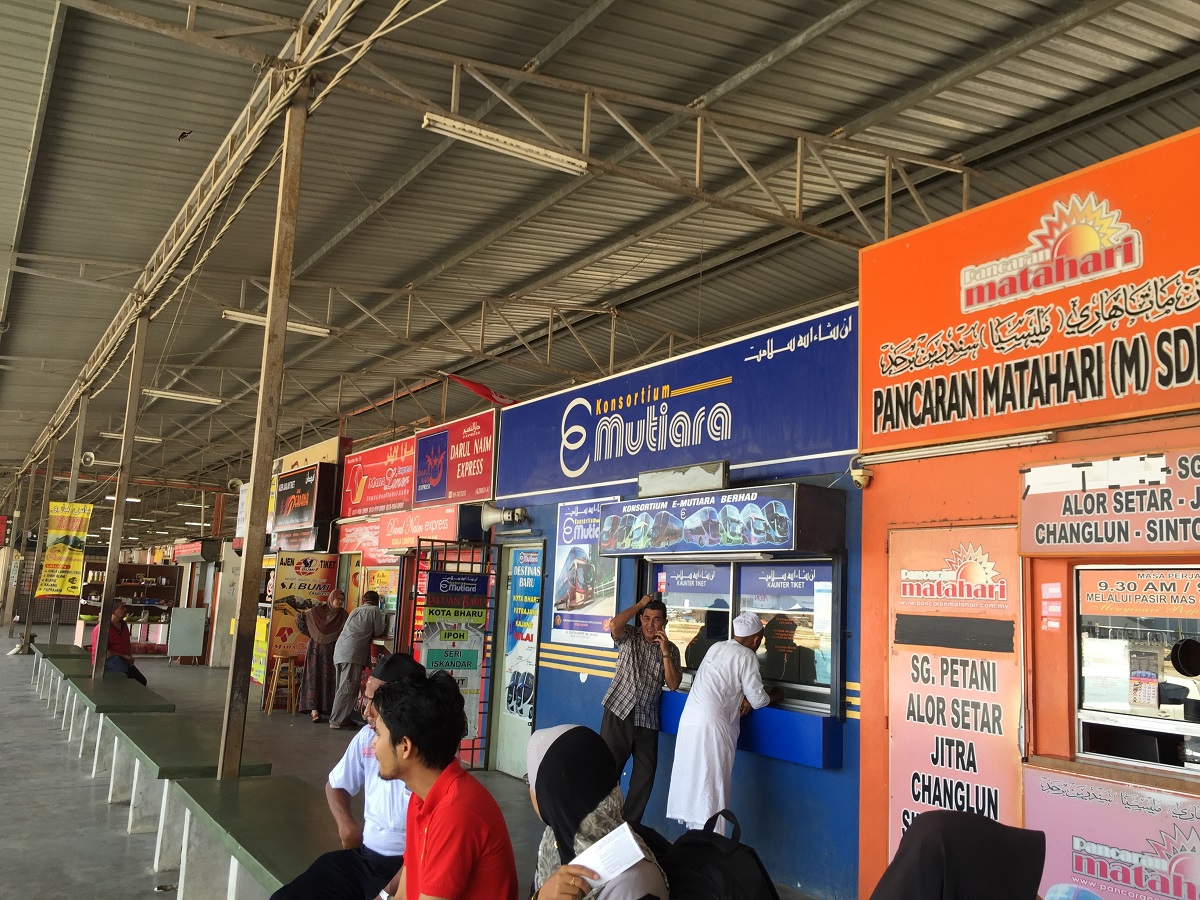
(1110, 839)
(299, 577)
(955, 677)
(585, 583)
(454, 631)
(520, 632)
(66, 533)
(456, 461)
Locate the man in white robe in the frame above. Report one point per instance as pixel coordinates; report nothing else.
(727, 686)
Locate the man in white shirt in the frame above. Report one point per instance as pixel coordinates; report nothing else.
(352, 653)
(727, 686)
(373, 852)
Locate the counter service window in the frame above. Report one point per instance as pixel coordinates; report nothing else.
(793, 599)
(1139, 663)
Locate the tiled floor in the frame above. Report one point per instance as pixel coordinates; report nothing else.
(59, 837)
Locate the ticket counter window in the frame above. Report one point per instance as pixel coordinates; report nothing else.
(1139, 664)
(794, 601)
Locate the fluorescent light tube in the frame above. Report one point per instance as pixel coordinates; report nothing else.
(180, 395)
(238, 315)
(138, 438)
(200, 524)
(189, 504)
(127, 499)
(997, 443)
(502, 143)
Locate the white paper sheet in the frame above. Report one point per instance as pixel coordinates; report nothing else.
(611, 855)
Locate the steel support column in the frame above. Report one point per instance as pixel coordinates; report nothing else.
(121, 491)
(8, 586)
(21, 543)
(270, 387)
(43, 518)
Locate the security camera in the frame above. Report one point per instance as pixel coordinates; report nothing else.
(861, 476)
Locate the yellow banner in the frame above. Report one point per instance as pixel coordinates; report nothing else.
(62, 565)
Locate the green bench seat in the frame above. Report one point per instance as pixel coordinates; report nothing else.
(91, 699)
(253, 834)
(43, 652)
(149, 751)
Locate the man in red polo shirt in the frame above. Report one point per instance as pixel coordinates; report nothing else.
(120, 650)
(458, 845)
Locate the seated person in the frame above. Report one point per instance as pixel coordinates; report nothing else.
(464, 852)
(949, 855)
(119, 655)
(574, 788)
(714, 630)
(373, 852)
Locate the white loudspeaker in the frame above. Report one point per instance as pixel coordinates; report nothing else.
(494, 515)
(88, 458)
(234, 485)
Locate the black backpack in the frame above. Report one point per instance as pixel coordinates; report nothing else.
(704, 865)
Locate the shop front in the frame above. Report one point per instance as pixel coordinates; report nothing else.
(1029, 375)
(718, 480)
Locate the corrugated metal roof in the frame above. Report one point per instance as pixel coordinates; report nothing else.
(428, 256)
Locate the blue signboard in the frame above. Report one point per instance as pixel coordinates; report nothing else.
(744, 518)
(779, 403)
(432, 451)
(791, 586)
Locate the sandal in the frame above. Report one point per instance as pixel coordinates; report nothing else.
(316, 717)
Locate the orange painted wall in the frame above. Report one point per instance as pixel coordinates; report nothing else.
(976, 489)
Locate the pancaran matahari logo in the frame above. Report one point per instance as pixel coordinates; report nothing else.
(1169, 867)
(970, 578)
(1077, 241)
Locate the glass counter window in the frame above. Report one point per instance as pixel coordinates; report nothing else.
(1139, 663)
(698, 607)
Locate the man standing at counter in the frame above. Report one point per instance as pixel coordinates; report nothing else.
(645, 662)
(352, 653)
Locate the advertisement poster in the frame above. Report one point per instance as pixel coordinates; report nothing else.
(520, 632)
(585, 583)
(363, 538)
(304, 498)
(386, 583)
(1106, 839)
(749, 518)
(722, 402)
(380, 479)
(298, 577)
(454, 633)
(262, 643)
(62, 565)
(456, 461)
(1071, 302)
(955, 676)
(1146, 503)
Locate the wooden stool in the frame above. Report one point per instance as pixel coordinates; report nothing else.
(282, 675)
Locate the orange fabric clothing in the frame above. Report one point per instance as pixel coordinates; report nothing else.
(458, 844)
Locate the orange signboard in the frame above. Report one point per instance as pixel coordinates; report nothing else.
(1071, 302)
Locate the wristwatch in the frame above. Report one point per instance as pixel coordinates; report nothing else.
(384, 895)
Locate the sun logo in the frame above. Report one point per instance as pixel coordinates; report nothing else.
(1183, 850)
(1079, 227)
(972, 565)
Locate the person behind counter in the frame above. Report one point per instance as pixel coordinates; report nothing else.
(352, 653)
(323, 625)
(645, 662)
(120, 648)
(574, 789)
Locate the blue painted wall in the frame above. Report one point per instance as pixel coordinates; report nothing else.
(802, 821)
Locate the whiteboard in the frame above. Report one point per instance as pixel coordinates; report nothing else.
(185, 637)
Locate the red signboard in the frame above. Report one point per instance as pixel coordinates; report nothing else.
(456, 461)
(1074, 301)
(379, 480)
(401, 530)
(191, 548)
(363, 537)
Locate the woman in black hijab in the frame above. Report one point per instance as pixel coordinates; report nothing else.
(947, 855)
(573, 786)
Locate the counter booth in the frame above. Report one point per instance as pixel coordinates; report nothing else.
(718, 479)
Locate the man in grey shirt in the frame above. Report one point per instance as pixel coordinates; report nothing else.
(352, 653)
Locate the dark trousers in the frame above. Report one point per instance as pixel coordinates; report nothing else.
(623, 739)
(358, 874)
(121, 664)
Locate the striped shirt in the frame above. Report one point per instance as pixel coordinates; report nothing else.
(638, 682)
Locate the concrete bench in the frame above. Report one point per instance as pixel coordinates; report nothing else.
(54, 651)
(149, 751)
(94, 698)
(53, 677)
(251, 835)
